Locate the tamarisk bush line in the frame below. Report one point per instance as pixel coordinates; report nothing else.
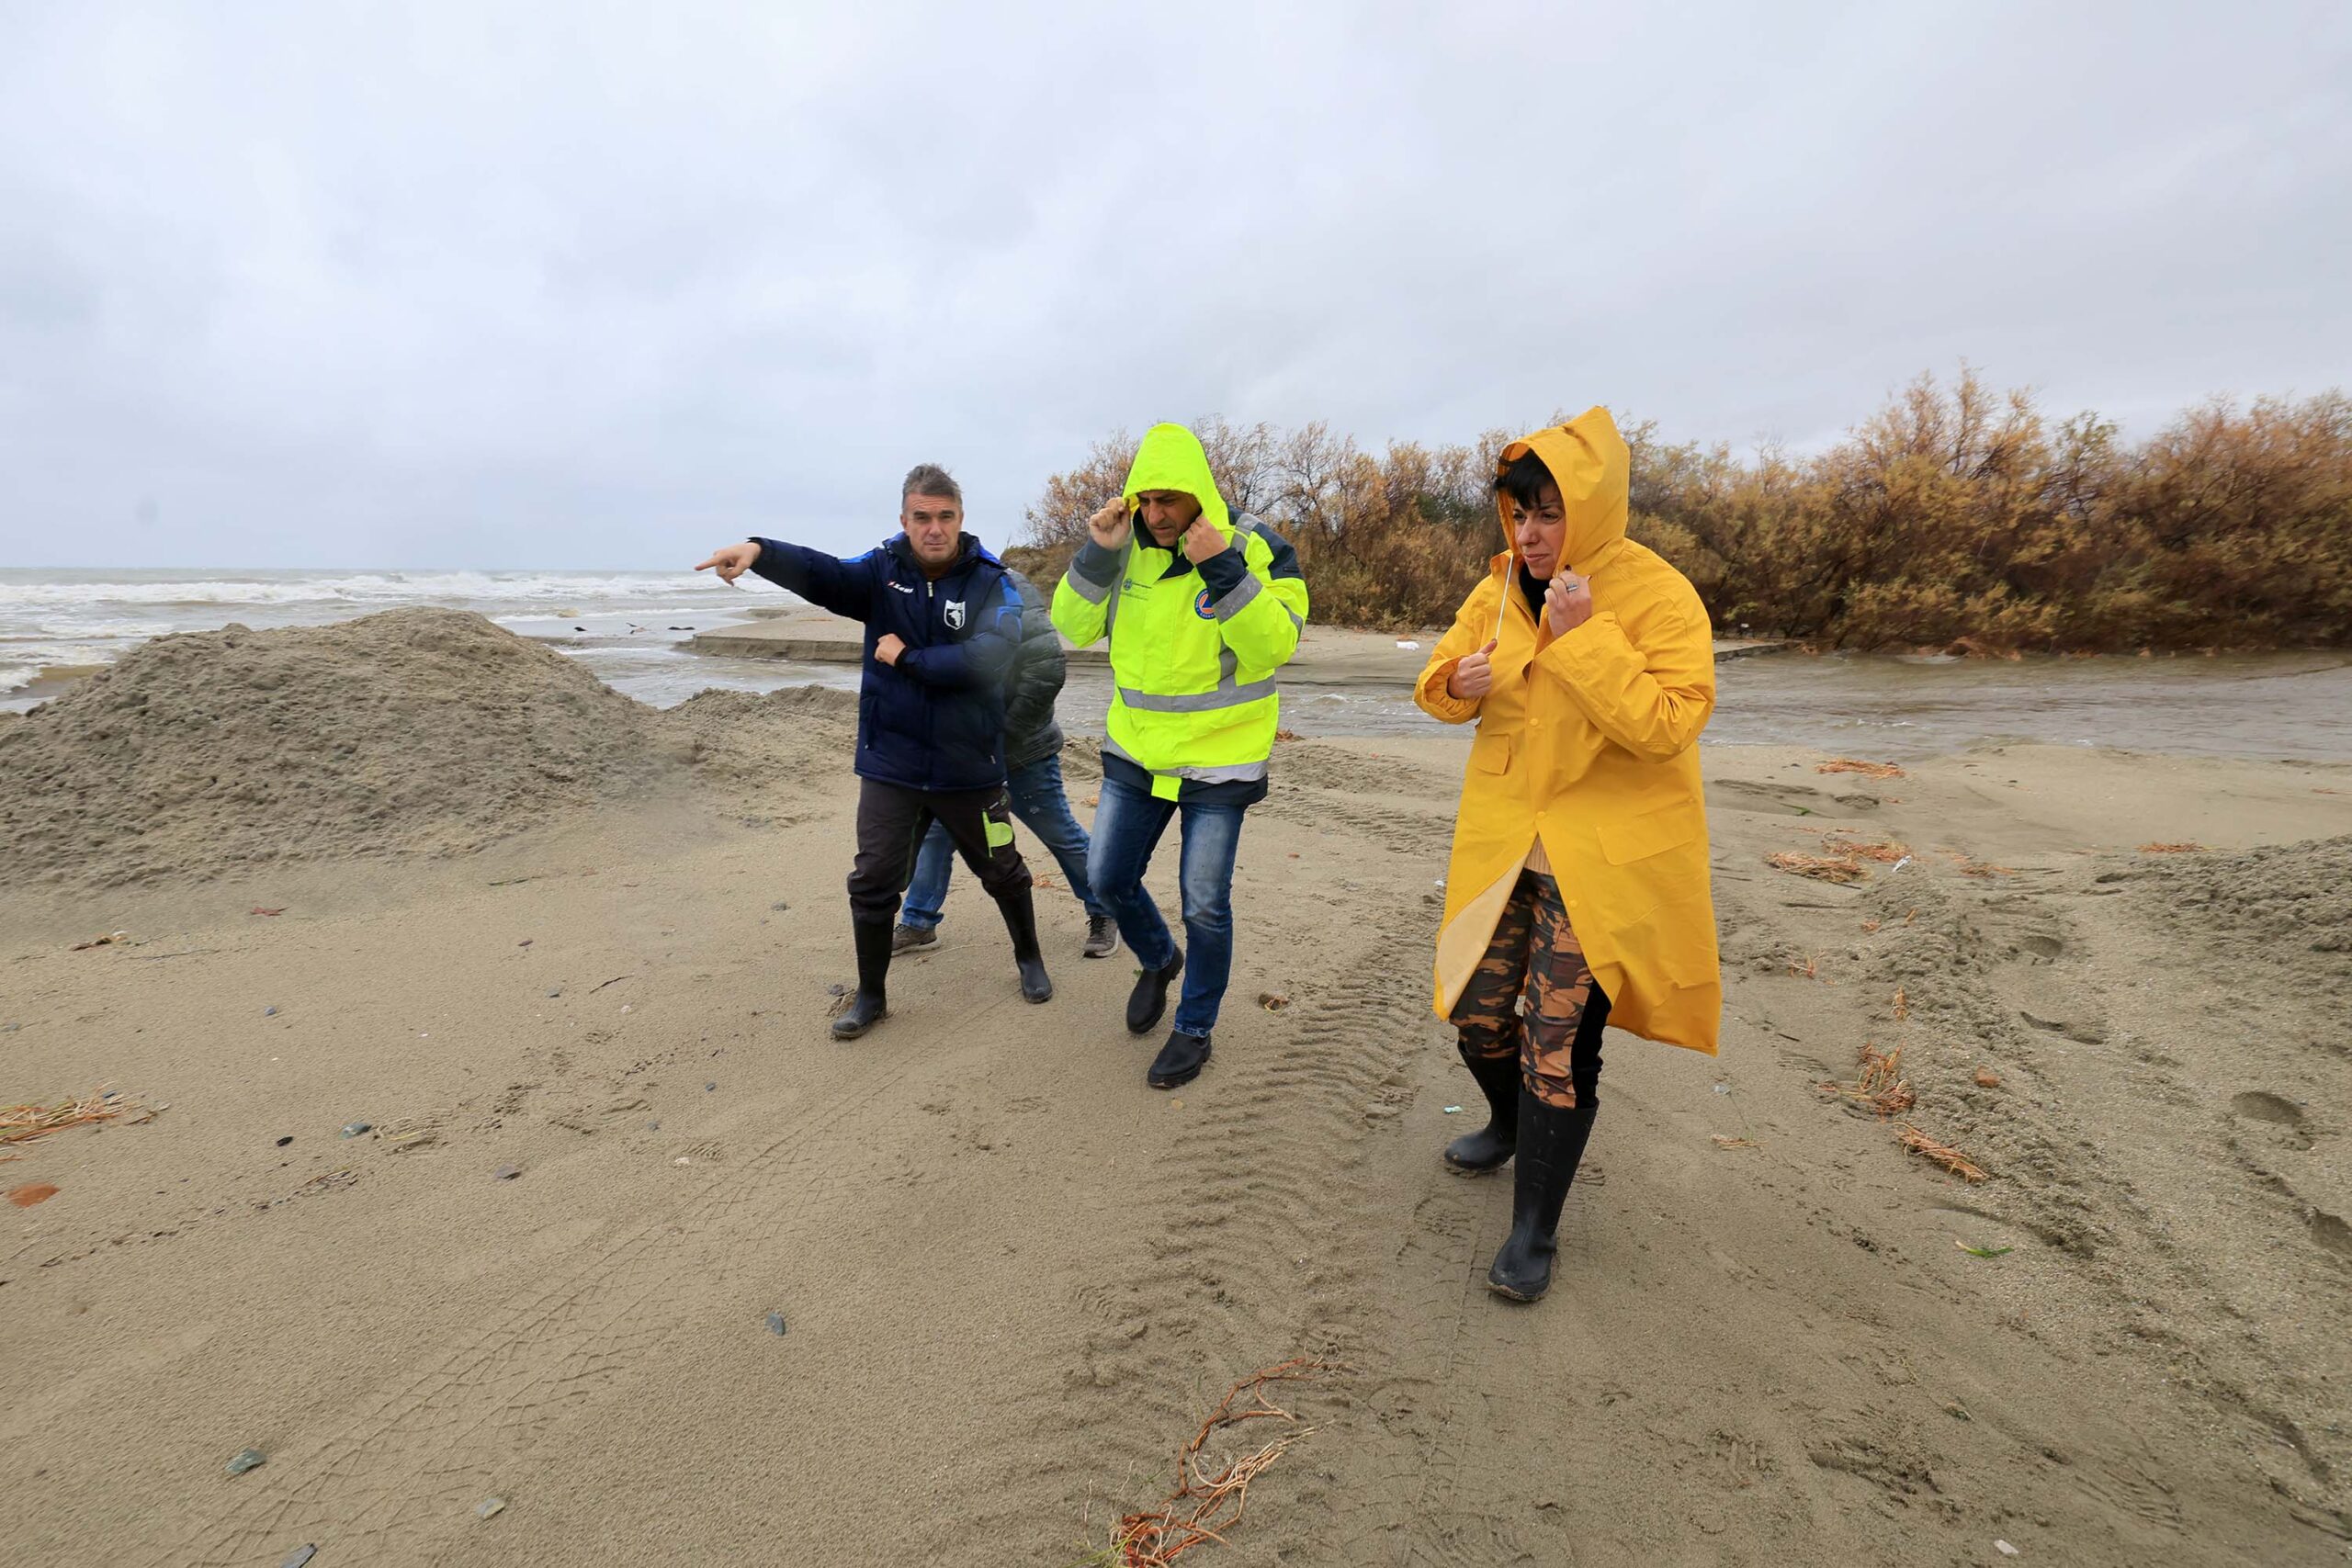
(1954, 517)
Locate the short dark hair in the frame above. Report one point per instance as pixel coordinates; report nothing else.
(930, 478)
(1523, 479)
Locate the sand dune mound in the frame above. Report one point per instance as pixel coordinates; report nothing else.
(2278, 898)
(415, 731)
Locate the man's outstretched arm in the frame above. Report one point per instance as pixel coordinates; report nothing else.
(844, 587)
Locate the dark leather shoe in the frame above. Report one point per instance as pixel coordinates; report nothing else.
(1150, 999)
(907, 938)
(1179, 1061)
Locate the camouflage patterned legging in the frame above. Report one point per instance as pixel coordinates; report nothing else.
(1533, 997)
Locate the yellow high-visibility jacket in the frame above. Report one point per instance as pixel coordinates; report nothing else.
(1193, 648)
(1590, 742)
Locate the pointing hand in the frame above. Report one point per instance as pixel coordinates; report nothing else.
(733, 562)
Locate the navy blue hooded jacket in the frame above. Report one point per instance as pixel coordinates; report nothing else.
(934, 720)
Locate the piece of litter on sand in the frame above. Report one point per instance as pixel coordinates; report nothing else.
(299, 1555)
(269, 1012)
(285, 1140)
(1725, 1141)
(353, 1128)
(775, 1324)
(1176, 1105)
(1723, 1088)
(1452, 1110)
(506, 1173)
(653, 1126)
(837, 989)
(32, 1193)
(1403, 643)
(247, 1459)
(2005, 1548)
(559, 991)
(682, 1159)
(489, 1507)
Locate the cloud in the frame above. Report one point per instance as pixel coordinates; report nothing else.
(526, 285)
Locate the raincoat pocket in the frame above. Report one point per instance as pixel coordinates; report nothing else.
(1491, 754)
(1628, 838)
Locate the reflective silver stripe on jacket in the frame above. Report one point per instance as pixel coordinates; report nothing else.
(1233, 772)
(1224, 696)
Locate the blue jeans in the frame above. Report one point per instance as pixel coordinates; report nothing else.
(1127, 825)
(1039, 802)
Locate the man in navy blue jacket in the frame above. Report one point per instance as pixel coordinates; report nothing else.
(940, 622)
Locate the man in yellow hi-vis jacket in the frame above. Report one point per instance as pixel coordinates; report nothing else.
(1579, 892)
(1201, 609)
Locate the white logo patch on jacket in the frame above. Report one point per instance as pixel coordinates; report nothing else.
(954, 615)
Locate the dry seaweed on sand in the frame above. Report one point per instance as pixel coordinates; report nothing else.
(1843, 842)
(1208, 1503)
(1944, 1155)
(1853, 765)
(1879, 1088)
(1824, 868)
(23, 1123)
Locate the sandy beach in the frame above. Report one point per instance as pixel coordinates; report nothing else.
(571, 960)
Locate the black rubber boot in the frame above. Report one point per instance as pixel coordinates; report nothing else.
(1021, 919)
(1474, 1154)
(1150, 999)
(871, 1005)
(1551, 1145)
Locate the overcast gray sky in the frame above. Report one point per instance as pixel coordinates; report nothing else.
(484, 284)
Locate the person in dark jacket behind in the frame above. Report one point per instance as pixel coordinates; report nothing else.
(941, 622)
(1032, 746)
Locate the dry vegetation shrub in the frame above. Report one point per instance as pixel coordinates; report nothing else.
(1955, 518)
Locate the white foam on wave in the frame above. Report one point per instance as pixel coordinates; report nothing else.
(357, 589)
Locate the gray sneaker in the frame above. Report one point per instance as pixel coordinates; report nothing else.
(1102, 936)
(907, 938)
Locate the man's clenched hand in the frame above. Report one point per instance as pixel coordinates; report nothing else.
(890, 648)
(1110, 526)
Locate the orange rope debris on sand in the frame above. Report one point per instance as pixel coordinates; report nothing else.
(1156, 1538)
(1870, 770)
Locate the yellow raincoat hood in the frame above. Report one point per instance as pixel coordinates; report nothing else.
(1589, 463)
(1589, 740)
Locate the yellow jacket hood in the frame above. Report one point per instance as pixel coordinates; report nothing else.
(1170, 458)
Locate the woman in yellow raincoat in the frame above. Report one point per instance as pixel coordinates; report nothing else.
(1578, 893)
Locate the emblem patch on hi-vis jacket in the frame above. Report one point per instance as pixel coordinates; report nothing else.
(1204, 607)
(955, 614)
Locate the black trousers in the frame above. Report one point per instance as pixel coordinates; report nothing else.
(891, 821)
